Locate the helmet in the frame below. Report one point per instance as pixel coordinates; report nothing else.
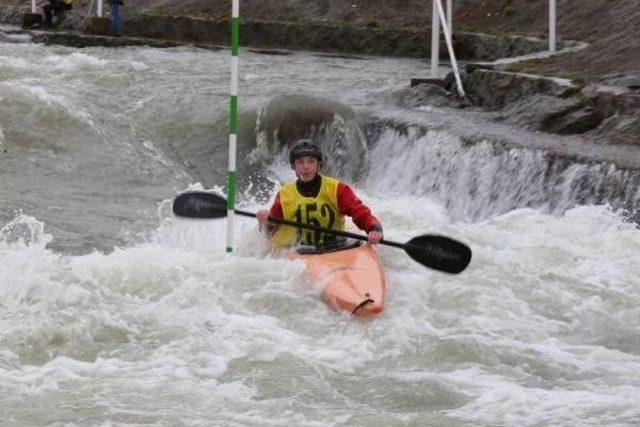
(304, 147)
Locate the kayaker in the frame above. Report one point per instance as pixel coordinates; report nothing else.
(318, 200)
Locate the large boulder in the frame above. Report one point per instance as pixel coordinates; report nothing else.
(334, 126)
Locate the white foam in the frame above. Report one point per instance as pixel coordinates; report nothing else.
(76, 61)
(170, 329)
(51, 99)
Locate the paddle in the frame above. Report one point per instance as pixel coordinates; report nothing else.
(437, 252)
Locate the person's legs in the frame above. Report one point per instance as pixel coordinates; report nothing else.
(114, 12)
(60, 10)
(48, 11)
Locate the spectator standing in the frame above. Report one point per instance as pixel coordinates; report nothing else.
(55, 6)
(114, 13)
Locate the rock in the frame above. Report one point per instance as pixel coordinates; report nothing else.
(630, 81)
(622, 128)
(426, 91)
(334, 126)
(450, 80)
(557, 105)
(574, 122)
(426, 94)
(536, 111)
(495, 89)
(415, 81)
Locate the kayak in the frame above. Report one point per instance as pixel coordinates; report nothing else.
(352, 279)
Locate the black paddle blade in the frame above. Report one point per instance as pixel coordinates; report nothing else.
(198, 204)
(439, 252)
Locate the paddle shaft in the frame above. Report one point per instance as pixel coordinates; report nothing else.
(322, 229)
(433, 251)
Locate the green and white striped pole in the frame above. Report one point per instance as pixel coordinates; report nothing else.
(233, 122)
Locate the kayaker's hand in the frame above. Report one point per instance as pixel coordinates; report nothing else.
(374, 237)
(262, 216)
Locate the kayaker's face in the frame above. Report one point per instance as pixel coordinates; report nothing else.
(306, 168)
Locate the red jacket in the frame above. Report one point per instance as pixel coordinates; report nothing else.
(349, 205)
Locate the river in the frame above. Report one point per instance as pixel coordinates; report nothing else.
(113, 312)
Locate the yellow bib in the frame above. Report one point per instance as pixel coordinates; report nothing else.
(321, 211)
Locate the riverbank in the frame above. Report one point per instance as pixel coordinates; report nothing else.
(532, 90)
(610, 27)
(331, 37)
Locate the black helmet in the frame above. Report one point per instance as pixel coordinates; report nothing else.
(304, 147)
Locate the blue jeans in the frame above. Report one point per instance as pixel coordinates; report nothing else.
(114, 12)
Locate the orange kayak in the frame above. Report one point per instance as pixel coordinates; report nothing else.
(352, 279)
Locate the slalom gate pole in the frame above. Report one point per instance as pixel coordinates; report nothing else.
(233, 122)
(452, 54)
(552, 26)
(450, 16)
(435, 42)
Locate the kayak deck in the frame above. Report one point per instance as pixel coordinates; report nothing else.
(352, 279)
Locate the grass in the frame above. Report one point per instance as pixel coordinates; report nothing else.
(592, 39)
(532, 66)
(508, 10)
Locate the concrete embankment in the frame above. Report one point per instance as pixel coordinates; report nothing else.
(326, 37)
(604, 114)
(555, 105)
(558, 105)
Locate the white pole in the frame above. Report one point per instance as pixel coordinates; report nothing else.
(552, 25)
(452, 55)
(99, 9)
(435, 41)
(450, 16)
(33, 6)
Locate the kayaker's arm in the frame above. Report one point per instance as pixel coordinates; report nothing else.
(274, 212)
(350, 205)
(374, 234)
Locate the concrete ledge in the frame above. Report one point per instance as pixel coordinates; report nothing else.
(440, 81)
(319, 37)
(84, 40)
(323, 37)
(99, 26)
(31, 20)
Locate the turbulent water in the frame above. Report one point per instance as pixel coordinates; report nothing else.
(113, 312)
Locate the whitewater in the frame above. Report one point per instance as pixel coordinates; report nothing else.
(114, 312)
